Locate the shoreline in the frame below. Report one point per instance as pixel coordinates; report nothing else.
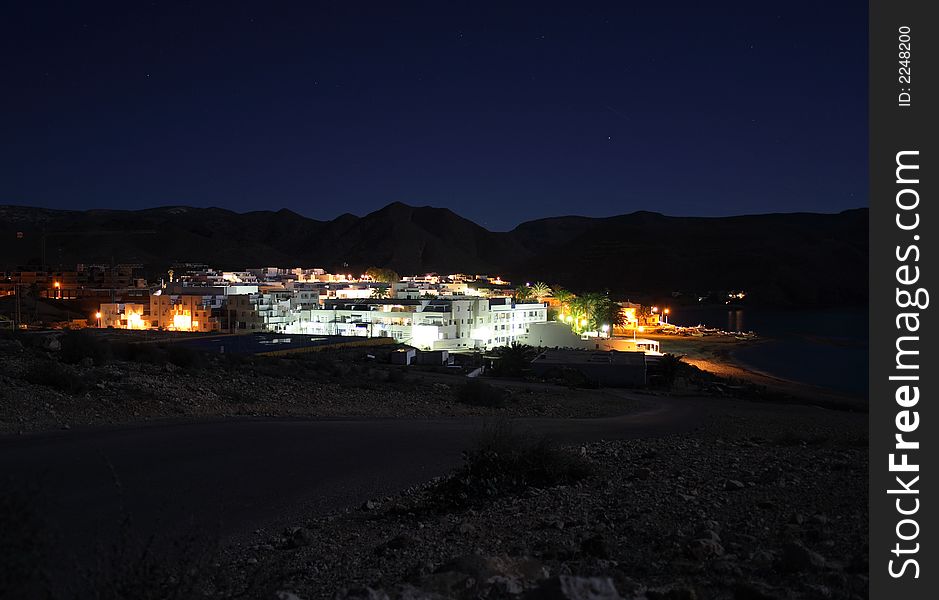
(717, 355)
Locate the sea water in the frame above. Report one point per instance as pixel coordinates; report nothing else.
(826, 348)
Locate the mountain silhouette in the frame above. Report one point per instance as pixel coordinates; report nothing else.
(780, 259)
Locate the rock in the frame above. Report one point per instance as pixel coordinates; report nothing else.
(398, 542)
(361, 593)
(11, 346)
(500, 586)
(285, 595)
(725, 566)
(704, 549)
(763, 558)
(564, 587)
(817, 590)
(87, 362)
(732, 485)
(467, 528)
(563, 550)
(673, 592)
(50, 343)
(472, 575)
(370, 505)
(708, 534)
(755, 590)
(452, 584)
(596, 546)
(409, 592)
(298, 537)
(485, 567)
(796, 558)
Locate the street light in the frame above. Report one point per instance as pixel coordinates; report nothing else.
(98, 316)
(666, 316)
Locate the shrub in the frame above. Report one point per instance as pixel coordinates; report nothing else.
(237, 396)
(670, 366)
(58, 376)
(504, 462)
(479, 393)
(183, 357)
(396, 376)
(78, 345)
(514, 360)
(574, 378)
(138, 352)
(158, 568)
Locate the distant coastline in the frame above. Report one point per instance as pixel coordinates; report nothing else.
(819, 350)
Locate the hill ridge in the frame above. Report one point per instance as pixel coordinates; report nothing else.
(779, 258)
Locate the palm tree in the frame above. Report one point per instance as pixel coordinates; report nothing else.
(514, 359)
(561, 295)
(540, 290)
(593, 310)
(563, 298)
(670, 366)
(581, 309)
(379, 292)
(382, 275)
(522, 293)
(607, 312)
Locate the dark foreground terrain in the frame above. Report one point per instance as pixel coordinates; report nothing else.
(664, 495)
(744, 507)
(760, 501)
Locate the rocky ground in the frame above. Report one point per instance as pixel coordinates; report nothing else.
(41, 390)
(764, 500)
(757, 504)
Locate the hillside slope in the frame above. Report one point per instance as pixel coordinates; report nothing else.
(800, 258)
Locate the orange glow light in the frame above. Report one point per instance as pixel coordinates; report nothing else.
(182, 322)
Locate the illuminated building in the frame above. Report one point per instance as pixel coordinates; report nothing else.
(122, 315)
(456, 323)
(184, 312)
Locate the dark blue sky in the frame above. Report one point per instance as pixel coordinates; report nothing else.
(503, 114)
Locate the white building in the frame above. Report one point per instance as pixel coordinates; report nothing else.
(457, 324)
(555, 334)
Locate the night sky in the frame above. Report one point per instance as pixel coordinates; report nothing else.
(501, 114)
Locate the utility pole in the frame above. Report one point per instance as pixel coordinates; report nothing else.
(17, 314)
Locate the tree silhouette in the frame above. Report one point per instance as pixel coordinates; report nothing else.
(540, 290)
